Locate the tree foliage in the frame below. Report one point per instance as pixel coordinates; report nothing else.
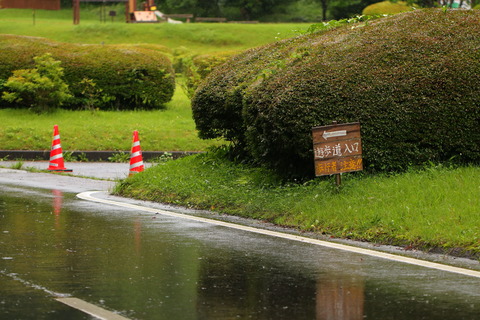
(231, 9)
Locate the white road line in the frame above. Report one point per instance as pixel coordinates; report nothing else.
(90, 309)
(75, 303)
(29, 284)
(427, 264)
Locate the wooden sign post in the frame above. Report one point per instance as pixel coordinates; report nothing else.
(337, 149)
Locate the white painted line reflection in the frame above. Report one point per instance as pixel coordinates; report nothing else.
(73, 302)
(427, 264)
(90, 309)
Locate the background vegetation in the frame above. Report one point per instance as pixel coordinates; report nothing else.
(275, 10)
(411, 80)
(387, 7)
(171, 129)
(257, 10)
(187, 38)
(41, 88)
(115, 76)
(196, 68)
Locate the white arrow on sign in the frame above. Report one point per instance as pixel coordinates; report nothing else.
(331, 134)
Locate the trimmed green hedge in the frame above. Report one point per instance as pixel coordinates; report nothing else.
(412, 80)
(195, 69)
(387, 7)
(125, 77)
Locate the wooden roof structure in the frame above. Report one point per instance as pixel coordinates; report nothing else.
(31, 4)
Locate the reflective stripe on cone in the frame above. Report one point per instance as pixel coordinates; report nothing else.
(136, 159)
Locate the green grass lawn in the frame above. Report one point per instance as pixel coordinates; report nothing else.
(192, 38)
(171, 129)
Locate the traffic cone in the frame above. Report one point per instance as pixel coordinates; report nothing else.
(136, 159)
(56, 154)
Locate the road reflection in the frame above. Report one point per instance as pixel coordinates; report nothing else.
(340, 296)
(137, 230)
(57, 205)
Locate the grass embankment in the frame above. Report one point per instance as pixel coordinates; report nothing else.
(436, 208)
(171, 129)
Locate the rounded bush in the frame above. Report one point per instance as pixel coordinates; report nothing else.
(412, 81)
(123, 77)
(218, 102)
(195, 69)
(387, 7)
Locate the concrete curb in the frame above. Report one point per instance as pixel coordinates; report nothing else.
(90, 155)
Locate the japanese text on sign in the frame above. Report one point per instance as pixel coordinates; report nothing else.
(337, 149)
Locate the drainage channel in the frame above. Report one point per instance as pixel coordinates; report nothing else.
(89, 196)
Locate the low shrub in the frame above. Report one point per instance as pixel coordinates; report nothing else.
(218, 103)
(41, 88)
(412, 80)
(387, 7)
(196, 69)
(132, 77)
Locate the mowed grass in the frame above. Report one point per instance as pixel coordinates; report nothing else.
(172, 129)
(187, 38)
(437, 207)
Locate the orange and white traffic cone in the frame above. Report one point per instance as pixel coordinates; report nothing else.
(136, 159)
(56, 154)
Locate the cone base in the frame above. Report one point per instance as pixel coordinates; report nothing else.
(61, 170)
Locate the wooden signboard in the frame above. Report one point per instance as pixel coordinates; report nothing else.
(337, 149)
(145, 16)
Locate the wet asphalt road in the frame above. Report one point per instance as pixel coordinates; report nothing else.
(104, 173)
(99, 170)
(102, 176)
